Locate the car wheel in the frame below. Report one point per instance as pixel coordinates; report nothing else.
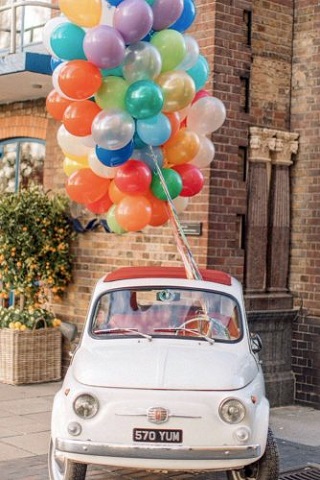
(267, 468)
(65, 470)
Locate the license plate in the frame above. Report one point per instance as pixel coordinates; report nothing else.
(157, 436)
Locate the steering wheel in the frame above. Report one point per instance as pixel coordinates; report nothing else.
(210, 328)
(203, 322)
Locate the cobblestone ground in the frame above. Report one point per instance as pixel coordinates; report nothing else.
(35, 468)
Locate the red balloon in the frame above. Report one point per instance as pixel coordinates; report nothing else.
(78, 117)
(84, 186)
(79, 79)
(56, 105)
(192, 179)
(133, 177)
(133, 213)
(200, 94)
(100, 206)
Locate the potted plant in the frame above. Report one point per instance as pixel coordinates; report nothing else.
(35, 263)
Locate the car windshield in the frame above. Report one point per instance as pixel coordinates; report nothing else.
(171, 311)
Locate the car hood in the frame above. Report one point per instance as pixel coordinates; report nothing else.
(148, 365)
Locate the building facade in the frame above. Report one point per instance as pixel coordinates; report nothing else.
(257, 216)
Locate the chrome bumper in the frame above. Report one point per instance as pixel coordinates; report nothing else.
(156, 452)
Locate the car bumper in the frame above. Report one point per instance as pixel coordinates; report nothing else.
(173, 457)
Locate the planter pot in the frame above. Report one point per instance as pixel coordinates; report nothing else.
(30, 356)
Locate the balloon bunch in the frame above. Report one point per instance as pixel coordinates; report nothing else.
(129, 91)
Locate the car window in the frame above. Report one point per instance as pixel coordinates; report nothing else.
(167, 311)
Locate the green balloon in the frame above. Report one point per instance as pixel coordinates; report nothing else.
(171, 46)
(144, 99)
(112, 222)
(112, 93)
(172, 180)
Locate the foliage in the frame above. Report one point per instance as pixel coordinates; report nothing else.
(31, 318)
(35, 244)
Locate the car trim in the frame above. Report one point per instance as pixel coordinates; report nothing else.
(155, 452)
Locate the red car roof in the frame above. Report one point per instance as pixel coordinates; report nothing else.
(165, 272)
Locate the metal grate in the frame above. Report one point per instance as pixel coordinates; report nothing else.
(307, 473)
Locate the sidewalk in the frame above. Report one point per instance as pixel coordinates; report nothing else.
(25, 431)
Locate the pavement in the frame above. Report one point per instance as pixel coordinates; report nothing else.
(25, 431)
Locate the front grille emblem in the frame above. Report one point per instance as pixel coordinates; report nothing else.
(158, 415)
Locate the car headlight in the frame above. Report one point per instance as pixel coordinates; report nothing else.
(232, 411)
(86, 406)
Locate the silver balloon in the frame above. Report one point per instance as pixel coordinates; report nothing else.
(192, 54)
(113, 129)
(142, 61)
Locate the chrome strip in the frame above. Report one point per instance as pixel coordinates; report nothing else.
(172, 452)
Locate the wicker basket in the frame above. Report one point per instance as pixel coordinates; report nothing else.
(30, 356)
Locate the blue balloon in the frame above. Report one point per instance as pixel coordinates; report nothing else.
(138, 143)
(54, 62)
(150, 155)
(199, 72)
(114, 3)
(66, 41)
(154, 130)
(186, 18)
(114, 158)
(114, 72)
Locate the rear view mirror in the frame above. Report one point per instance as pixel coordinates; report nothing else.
(256, 342)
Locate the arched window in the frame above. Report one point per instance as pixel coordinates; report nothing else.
(21, 164)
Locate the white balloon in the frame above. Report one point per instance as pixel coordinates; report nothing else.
(98, 168)
(142, 61)
(180, 203)
(47, 30)
(71, 144)
(206, 115)
(205, 154)
(107, 14)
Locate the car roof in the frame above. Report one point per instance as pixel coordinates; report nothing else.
(126, 273)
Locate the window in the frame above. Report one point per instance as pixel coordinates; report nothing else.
(21, 164)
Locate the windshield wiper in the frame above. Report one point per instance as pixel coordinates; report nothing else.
(188, 330)
(120, 330)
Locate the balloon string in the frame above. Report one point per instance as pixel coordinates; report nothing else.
(190, 264)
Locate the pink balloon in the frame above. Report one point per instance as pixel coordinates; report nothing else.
(104, 46)
(133, 19)
(166, 12)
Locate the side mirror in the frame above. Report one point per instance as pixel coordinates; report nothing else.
(69, 331)
(256, 342)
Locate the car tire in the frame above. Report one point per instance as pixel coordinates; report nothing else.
(65, 470)
(266, 468)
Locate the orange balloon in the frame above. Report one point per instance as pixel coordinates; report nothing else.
(78, 117)
(56, 104)
(133, 213)
(79, 79)
(174, 119)
(181, 148)
(115, 194)
(160, 211)
(84, 186)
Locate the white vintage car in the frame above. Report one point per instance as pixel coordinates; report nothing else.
(165, 377)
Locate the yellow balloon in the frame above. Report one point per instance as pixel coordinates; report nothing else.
(85, 13)
(71, 165)
(178, 90)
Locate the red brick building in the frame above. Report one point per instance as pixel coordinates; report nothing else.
(259, 208)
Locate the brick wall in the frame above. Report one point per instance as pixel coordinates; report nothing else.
(305, 262)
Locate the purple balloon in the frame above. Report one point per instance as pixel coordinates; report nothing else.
(133, 19)
(104, 46)
(166, 12)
